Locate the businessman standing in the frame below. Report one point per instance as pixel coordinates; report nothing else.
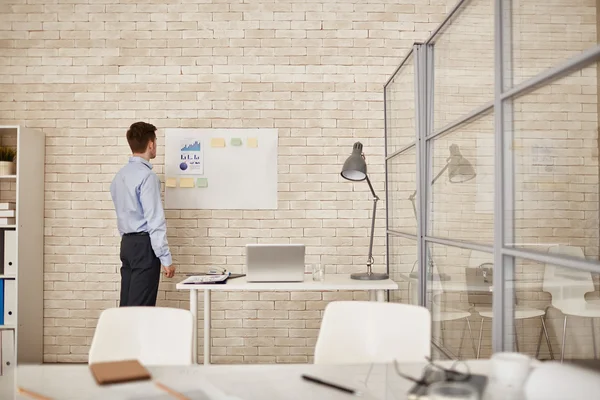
(135, 191)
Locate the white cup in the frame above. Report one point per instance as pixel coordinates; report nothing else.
(510, 370)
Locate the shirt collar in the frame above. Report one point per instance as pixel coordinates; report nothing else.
(140, 160)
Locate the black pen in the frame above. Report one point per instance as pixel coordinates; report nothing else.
(331, 385)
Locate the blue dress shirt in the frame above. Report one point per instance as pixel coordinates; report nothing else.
(135, 192)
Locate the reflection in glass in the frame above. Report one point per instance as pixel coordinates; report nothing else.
(400, 108)
(547, 33)
(457, 289)
(567, 300)
(463, 63)
(403, 268)
(401, 181)
(462, 200)
(555, 155)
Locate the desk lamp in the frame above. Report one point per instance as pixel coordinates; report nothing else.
(355, 169)
(459, 170)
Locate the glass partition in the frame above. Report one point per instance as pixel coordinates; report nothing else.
(555, 130)
(462, 184)
(546, 33)
(400, 107)
(463, 61)
(498, 128)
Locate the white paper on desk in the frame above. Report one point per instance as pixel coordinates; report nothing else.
(199, 389)
(205, 279)
(192, 395)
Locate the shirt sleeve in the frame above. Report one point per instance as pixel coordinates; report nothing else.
(113, 195)
(155, 218)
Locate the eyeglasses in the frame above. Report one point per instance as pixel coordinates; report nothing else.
(435, 373)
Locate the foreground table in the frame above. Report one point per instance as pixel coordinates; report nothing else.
(331, 282)
(228, 382)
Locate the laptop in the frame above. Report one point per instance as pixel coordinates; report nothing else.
(275, 262)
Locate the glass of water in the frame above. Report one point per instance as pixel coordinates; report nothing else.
(318, 272)
(452, 391)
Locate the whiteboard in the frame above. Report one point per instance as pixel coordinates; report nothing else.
(232, 169)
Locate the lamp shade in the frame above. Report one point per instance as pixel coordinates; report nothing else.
(355, 167)
(459, 168)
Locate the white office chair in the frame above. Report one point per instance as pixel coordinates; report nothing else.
(480, 260)
(152, 335)
(568, 288)
(364, 332)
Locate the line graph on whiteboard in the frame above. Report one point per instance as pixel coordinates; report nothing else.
(191, 160)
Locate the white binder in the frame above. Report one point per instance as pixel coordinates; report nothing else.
(10, 302)
(7, 357)
(7, 343)
(10, 252)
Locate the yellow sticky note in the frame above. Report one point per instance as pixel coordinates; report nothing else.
(252, 142)
(171, 182)
(217, 142)
(186, 182)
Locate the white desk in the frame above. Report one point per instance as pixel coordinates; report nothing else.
(449, 285)
(228, 382)
(331, 282)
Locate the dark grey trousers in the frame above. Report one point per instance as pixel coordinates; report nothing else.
(140, 271)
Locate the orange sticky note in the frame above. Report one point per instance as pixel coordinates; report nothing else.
(171, 182)
(217, 142)
(186, 182)
(252, 142)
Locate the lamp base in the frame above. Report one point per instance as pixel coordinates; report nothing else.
(365, 276)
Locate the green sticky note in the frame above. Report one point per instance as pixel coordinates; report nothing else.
(236, 142)
(202, 183)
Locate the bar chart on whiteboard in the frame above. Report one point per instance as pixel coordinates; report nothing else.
(232, 169)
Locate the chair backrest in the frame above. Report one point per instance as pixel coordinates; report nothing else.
(152, 335)
(359, 332)
(567, 283)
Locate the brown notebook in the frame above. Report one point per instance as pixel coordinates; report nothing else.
(119, 371)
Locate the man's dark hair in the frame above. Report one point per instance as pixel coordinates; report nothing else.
(139, 135)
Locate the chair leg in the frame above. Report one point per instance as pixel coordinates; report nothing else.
(562, 352)
(462, 339)
(369, 374)
(539, 343)
(480, 335)
(594, 338)
(471, 335)
(547, 338)
(543, 331)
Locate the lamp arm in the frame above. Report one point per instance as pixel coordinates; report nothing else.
(375, 200)
(371, 187)
(370, 256)
(412, 196)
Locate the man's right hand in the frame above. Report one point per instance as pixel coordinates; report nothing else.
(169, 271)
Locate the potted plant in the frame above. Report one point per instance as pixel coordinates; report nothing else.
(7, 160)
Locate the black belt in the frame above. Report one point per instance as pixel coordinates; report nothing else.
(136, 234)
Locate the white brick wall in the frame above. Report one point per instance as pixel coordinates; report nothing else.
(315, 71)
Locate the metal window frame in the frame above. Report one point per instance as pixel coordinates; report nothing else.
(504, 93)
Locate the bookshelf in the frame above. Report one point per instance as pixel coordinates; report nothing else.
(22, 254)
